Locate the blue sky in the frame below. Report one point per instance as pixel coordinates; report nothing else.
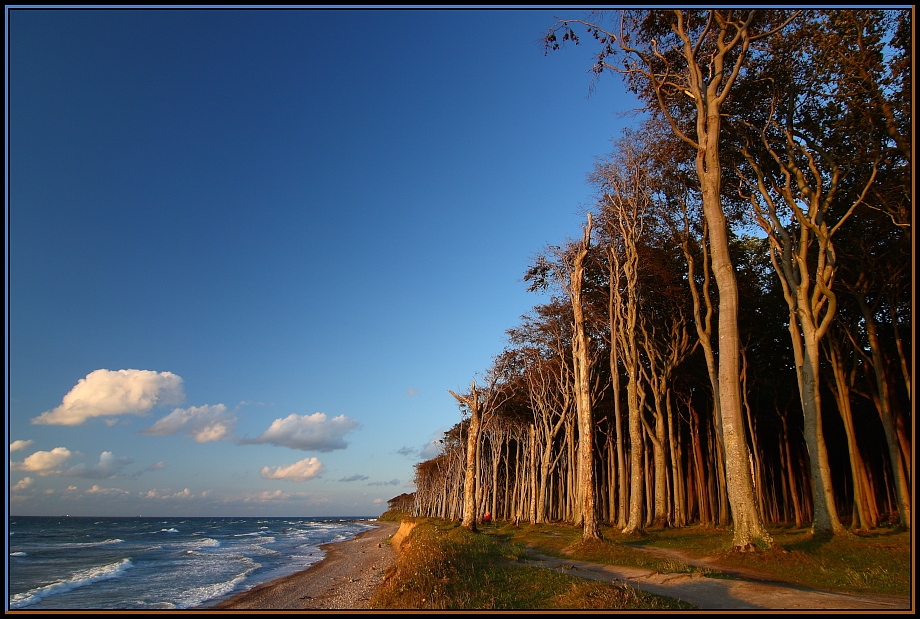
(250, 251)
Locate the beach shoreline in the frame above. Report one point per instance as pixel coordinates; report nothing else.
(345, 578)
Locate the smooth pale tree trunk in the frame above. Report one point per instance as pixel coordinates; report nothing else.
(825, 510)
(583, 402)
(748, 525)
(634, 521)
(622, 478)
(472, 449)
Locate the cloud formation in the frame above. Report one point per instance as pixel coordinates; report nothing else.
(268, 496)
(109, 466)
(18, 445)
(392, 482)
(355, 478)
(202, 423)
(44, 463)
(184, 494)
(307, 468)
(307, 432)
(107, 393)
(22, 484)
(51, 463)
(97, 490)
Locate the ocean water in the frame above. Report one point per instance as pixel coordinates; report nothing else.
(158, 563)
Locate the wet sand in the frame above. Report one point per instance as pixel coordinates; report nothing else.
(345, 578)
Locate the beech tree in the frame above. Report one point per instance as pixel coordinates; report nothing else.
(568, 272)
(811, 164)
(668, 58)
(812, 317)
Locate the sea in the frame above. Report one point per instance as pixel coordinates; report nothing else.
(158, 563)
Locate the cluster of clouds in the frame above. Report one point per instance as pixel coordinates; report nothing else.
(202, 423)
(53, 463)
(112, 394)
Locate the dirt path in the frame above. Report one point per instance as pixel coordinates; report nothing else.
(743, 593)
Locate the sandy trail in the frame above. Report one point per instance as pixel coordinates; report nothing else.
(721, 593)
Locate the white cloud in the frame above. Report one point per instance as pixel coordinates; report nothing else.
(106, 491)
(269, 496)
(109, 465)
(23, 483)
(17, 445)
(307, 468)
(202, 423)
(51, 463)
(44, 462)
(107, 393)
(355, 478)
(183, 494)
(307, 432)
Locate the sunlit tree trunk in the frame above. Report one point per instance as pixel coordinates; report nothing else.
(472, 448)
(864, 519)
(584, 397)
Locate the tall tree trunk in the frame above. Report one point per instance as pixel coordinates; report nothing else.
(584, 405)
(897, 455)
(472, 449)
(841, 389)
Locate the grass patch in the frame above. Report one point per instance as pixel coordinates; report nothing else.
(447, 567)
(873, 563)
(876, 563)
(565, 541)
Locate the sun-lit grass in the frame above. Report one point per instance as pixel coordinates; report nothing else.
(444, 566)
(872, 563)
(393, 515)
(565, 541)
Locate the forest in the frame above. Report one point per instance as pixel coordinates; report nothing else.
(727, 340)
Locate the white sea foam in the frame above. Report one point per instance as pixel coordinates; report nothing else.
(80, 579)
(204, 542)
(18, 554)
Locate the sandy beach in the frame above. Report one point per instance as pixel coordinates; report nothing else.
(344, 579)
